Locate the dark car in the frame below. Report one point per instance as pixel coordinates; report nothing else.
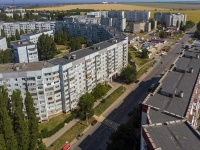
(137, 81)
(94, 122)
(79, 136)
(130, 113)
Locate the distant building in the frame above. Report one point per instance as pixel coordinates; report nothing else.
(23, 51)
(33, 37)
(3, 43)
(98, 14)
(137, 16)
(9, 15)
(171, 19)
(116, 14)
(10, 10)
(137, 27)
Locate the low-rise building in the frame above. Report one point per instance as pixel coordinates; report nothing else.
(24, 51)
(33, 37)
(3, 43)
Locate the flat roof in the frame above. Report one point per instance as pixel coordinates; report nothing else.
(30, 34)
(174, 83)
(174, 136)
(6, 68)
(20, 43)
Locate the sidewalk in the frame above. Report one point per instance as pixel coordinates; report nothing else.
(48, 141)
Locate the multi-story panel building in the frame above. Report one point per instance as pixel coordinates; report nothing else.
(137, 27)
(57, 85)
(170, 112)
(24, 51)
(116, 14)
(170, 19)
(3, 43)
(137, 16)
(33, 37)
(27, 27)
(98, 14)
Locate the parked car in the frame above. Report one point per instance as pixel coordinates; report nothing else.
(151, 87)
(79, 136)
(94, 122)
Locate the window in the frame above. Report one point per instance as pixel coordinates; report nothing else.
(16, 84)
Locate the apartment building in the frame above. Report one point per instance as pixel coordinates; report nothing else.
(137, 27)
(27, 27)
(116, 14)
(3, 43)
(14, 10)
(24, 51)
(98, 14)
(171, 19)
(170, 112)
(137, 16)
(33, 37)
(57, 84)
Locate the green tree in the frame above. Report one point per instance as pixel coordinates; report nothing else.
(128, 74)
(163, 34)
(152, 24)
(99, 91)
(12, 38)
(5, 57)
(81, 40)
(182, 27)
(129, 57)
(8, 40)
(145, 54)
(189, 24)
(46, 47)
(198, 25)
(22, 32)
(32, 121)
(41, 145)
(177, 23)
(3, 34)
(86, 105)
(19, 122)
(2, 142)
(197, 34)
(5, 122)
(17, 35)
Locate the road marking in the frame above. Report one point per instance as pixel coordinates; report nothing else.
(107, 122)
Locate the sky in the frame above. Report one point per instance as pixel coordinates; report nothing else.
(80, 1)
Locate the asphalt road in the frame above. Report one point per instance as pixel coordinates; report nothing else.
(96, 137)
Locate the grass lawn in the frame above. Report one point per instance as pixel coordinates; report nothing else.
(136, 58)
(70, 135)
(144, 69)
(53, 122)
(99, 109)
(63, 50)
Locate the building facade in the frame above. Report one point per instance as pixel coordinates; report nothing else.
(137, 16)
(3, 43)
(56, 85)
(24, 51)
(33, 37)
(137, 27)
(171, 19)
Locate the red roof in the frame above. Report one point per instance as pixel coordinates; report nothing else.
(66, 147)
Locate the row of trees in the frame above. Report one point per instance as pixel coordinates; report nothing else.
(87, 100)
(197, 32)
(5, 57)
(17, 130)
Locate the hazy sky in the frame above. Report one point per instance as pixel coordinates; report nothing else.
(80, 1)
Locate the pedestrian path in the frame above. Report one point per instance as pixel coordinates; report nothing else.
(107, 122)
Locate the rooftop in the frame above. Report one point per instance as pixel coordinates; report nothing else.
(21, 43)
(6, 68)
(177, 135)
(168, 96)
(30, 34)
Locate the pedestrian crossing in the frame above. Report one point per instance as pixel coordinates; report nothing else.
(107, 122)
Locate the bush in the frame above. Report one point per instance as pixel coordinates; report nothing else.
(103, 100)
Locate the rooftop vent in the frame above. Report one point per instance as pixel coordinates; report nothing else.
(191, 70)
(98, 47)
(73, 57)
(197, 56)
(180, 94)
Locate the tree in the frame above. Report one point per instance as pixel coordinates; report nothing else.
(86, 105)
(32, 121)
(182, 28)
(17, 35)
(163, 34)
(144, 54)
(20, 124)
(5, 122)
(152, 24)
(197, 34)
(141, 31)
(129, 57)
(46, 47)
(81, 40)
(198, 25)
(177, 23)
(99, 91)
(8, 40)
(128, 74)
(5, 57)
(41, 145)
(12, 38)
(2, 142)
(22, 32)
(3, 33)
